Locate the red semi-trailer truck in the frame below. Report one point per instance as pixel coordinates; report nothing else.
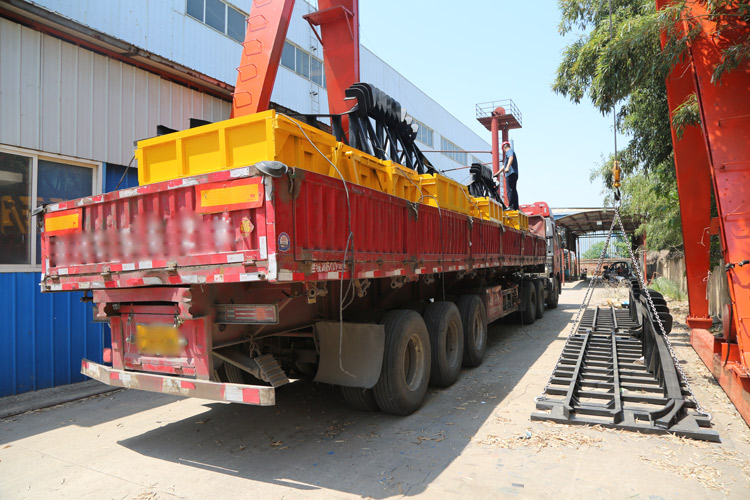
(230, 305)
(261, 249)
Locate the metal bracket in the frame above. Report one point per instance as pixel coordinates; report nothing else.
(415, 208)
(315, 290)
(361, 286)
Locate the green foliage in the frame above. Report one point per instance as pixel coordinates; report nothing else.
(624, 64)
(686, 114)
(654, 201)
(668, 288)
(617, 248)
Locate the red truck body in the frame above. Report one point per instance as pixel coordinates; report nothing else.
(265, 272)
(156, 235)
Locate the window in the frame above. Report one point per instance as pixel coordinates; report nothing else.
(453, 152)
(219, 16)
(15, 196)
(303, 63)
(26, 181)
(288, 56)
(316, 70)
(424, 133)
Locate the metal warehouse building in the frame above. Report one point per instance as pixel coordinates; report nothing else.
(79, 83)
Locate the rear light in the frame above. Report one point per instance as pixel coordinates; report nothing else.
(107, 355)
(247, 313)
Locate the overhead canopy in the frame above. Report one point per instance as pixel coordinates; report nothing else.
(580, 221)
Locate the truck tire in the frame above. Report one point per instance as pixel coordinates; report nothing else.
(528, 315)
(360, 399)
(234, 375)
(406, 363)
(554, 297)
(446, 333)
(474, 322)
(539, 284)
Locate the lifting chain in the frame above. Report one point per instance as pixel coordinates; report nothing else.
(584, 305)
(642, 283)
(589, 294)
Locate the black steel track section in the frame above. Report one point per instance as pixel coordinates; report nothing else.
(616, 371)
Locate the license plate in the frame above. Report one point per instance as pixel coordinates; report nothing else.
(160, 340)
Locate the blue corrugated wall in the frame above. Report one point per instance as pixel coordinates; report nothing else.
(44, 336)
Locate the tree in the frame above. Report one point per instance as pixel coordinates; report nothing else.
(626, 64)
(617, 248)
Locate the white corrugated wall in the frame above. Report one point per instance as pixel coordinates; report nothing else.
(422, 107)
(160, 27)
(58, 98)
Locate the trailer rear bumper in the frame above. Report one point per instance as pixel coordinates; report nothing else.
(235, 393)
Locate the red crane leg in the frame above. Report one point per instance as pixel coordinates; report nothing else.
(725, 118)
(339, 35)
(694, 187)
(725, 113)
(261, 53)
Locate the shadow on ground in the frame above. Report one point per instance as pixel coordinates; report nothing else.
(100, 409)
(312, 440)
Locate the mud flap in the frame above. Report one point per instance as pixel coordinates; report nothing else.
(351, 356)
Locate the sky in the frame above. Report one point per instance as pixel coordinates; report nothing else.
(463, 53)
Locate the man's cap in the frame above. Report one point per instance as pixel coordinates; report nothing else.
(506, 143)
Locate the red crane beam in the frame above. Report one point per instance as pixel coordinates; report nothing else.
(267, 26)
(723, 145)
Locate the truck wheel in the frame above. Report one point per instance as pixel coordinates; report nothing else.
(234, 375)
(539, 284)
(528, 316)
(554, 297)
(474, 322)
(406, 363)
(360, 399)
(446, 342)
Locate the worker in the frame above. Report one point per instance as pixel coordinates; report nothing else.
(511, 174)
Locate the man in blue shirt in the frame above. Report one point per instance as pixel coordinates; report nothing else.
(511, 175)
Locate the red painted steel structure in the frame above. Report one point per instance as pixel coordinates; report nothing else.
(718, 152)
(339, 34)
(499, 120)
(250, 255)
(267, 26)
(146, 252)
(185, 247)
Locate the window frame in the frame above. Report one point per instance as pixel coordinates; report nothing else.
(310, 57)
(432, 134)
(227, 6)
(444, 143)
(96, 188)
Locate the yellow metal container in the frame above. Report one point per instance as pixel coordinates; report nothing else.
(446, 193)
(516, 219)
(239, 142)
(487, 208)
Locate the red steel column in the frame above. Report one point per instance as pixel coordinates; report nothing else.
(725, 114)
(339, 35)
(506, 138)
(694, 187)
(261, 53)
(496, 152)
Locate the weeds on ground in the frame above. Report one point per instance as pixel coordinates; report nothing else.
(668, 288)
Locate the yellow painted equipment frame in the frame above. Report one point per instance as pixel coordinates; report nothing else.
(243, 141)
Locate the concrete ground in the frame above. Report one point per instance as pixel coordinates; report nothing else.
(473, 440)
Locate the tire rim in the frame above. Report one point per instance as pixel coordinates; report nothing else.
(479, 335)
(414, 362)
(451, 344)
